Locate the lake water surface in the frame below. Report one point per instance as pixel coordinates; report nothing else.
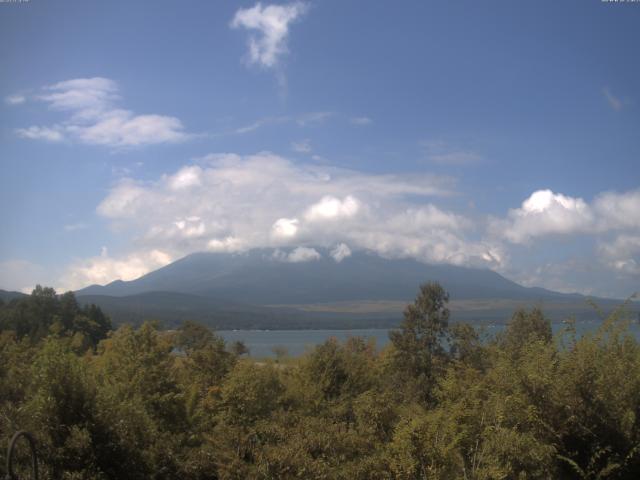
(262, 342)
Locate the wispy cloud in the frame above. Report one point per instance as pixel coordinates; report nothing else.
(263, 122)
(614, 102)
(302, 120)
(16, 99)
(49, 134)
(73, 227)
(361, 121)
(94, 118)
(441, 153)
(313, 118)
(270, 29)
(301, 146)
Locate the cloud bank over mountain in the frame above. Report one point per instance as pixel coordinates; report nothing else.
(233, 203)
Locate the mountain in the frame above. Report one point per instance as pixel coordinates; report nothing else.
(7, 296)
(258, 277)
(257, 289)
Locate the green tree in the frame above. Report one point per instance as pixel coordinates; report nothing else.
(524, 328)
(418, 350)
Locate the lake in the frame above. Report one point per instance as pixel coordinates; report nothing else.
(296, 342)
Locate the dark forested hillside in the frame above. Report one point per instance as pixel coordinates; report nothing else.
(439, 402)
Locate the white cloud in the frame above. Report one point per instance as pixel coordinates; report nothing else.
(340, 252)
(185, 177)
(265, 200)
(285, 228)
(121, 128)
(545, 213)
(84, 97)
(271, 24)
(123, 199)
(303, 120)
(105, 268)
(302, 146)
(361, 121)
(95, 119)
(311, 118)
(329, 208)
(41, 133)
(612, 219)
(618, 210)
(297, 255)
(231, 203)
(16, 99)
(614, 102)
(228, 244)
(622, 253)
(303, 254)
(263, 122)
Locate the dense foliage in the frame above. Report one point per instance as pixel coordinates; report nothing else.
(438, 402)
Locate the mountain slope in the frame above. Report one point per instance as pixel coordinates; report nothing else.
(7, 296)
(258, 278)
(257, 289)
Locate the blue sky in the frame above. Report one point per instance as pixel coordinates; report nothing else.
(495, 134)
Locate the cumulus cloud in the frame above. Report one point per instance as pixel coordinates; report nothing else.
(330, 208)
(612, 219)
(285, 228)
(233, 203)
(229, 202)
(545, 213)
(105, 268)
(95, 119)
(269, 26)
(185, 177)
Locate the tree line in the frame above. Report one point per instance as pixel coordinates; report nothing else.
(440, 401)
